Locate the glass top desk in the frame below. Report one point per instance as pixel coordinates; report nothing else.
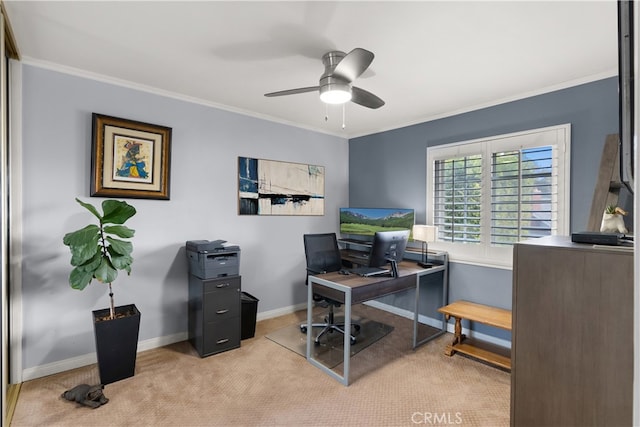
(354, 289)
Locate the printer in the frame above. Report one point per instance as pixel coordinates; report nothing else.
(213, 259)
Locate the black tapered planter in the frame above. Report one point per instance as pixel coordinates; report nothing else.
(117, 342)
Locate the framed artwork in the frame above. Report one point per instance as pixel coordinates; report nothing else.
(270, 187)
(129, 159)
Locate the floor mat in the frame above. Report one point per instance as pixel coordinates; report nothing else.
(330, 349)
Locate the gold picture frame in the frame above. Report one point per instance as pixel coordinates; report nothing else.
(129, 159)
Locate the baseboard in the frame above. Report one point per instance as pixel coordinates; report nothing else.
(90, 358)
(425, 320)
(280, 311)
(152, 343)
(437, 323)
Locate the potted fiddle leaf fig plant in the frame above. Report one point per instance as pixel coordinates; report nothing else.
(98, 251)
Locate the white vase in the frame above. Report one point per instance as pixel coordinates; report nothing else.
(612, 223)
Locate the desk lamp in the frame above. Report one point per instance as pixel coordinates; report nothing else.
(425, 234)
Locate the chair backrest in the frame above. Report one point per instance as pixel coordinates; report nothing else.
(322, 253)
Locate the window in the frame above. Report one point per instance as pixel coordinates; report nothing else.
(487, 194)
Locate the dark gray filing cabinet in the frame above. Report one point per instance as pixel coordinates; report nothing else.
(214, 314)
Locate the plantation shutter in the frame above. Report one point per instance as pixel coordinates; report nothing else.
(484, 195)
(457, 198)
(523, 195)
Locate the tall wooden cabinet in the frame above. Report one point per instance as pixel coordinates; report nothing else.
(572, 342)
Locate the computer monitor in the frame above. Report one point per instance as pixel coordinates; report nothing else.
(388, 247)
(366, 221)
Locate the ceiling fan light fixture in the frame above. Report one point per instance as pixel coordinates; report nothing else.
(335, 85)
(335, 93)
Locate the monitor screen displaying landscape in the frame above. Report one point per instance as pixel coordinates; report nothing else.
(366, 221)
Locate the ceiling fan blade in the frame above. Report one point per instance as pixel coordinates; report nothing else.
(293, 91)
(365, 98)
(354, 64)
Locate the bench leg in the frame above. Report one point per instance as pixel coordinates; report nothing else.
(457, 337)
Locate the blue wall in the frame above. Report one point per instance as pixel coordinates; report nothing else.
(388, 169)
(206, 143)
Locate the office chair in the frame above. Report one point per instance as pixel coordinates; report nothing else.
(323, 256)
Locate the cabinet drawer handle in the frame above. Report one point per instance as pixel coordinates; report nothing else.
(221, 311)
(222, 341)
(222, 285)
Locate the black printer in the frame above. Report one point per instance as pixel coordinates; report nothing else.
(213, 259)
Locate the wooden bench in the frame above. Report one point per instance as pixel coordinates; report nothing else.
(492, 316)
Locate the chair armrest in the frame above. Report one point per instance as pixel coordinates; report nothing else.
(312, 271)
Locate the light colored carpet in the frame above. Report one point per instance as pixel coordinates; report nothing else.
(265, 384)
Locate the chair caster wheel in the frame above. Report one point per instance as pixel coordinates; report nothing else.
(303, 329)
(317, 343)
(356, 327)
(353, 341)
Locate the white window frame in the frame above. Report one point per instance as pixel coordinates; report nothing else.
(484, 253)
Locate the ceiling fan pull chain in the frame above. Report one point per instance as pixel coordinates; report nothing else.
(344, 109)
(326, 112)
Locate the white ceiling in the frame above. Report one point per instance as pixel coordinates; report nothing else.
(433, 58)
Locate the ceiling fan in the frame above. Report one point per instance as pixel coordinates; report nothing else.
(340, 70)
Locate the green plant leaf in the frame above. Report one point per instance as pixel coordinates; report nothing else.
(97, 251)
(121, 262)
(117, 211)
(119, 246)
(81, 254)
(91, 265)
(90, 208)
(83, 244)
(82, 236)
(105, 272)
(79, 279)
(120, 231)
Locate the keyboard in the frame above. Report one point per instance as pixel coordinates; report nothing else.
(369, 271)
(356, 254)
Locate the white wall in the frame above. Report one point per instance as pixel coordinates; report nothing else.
(56, 150)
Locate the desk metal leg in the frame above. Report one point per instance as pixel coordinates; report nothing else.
(344, 378)
(416, 313)
(416, 310)
(347, 337)
(309, 317)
